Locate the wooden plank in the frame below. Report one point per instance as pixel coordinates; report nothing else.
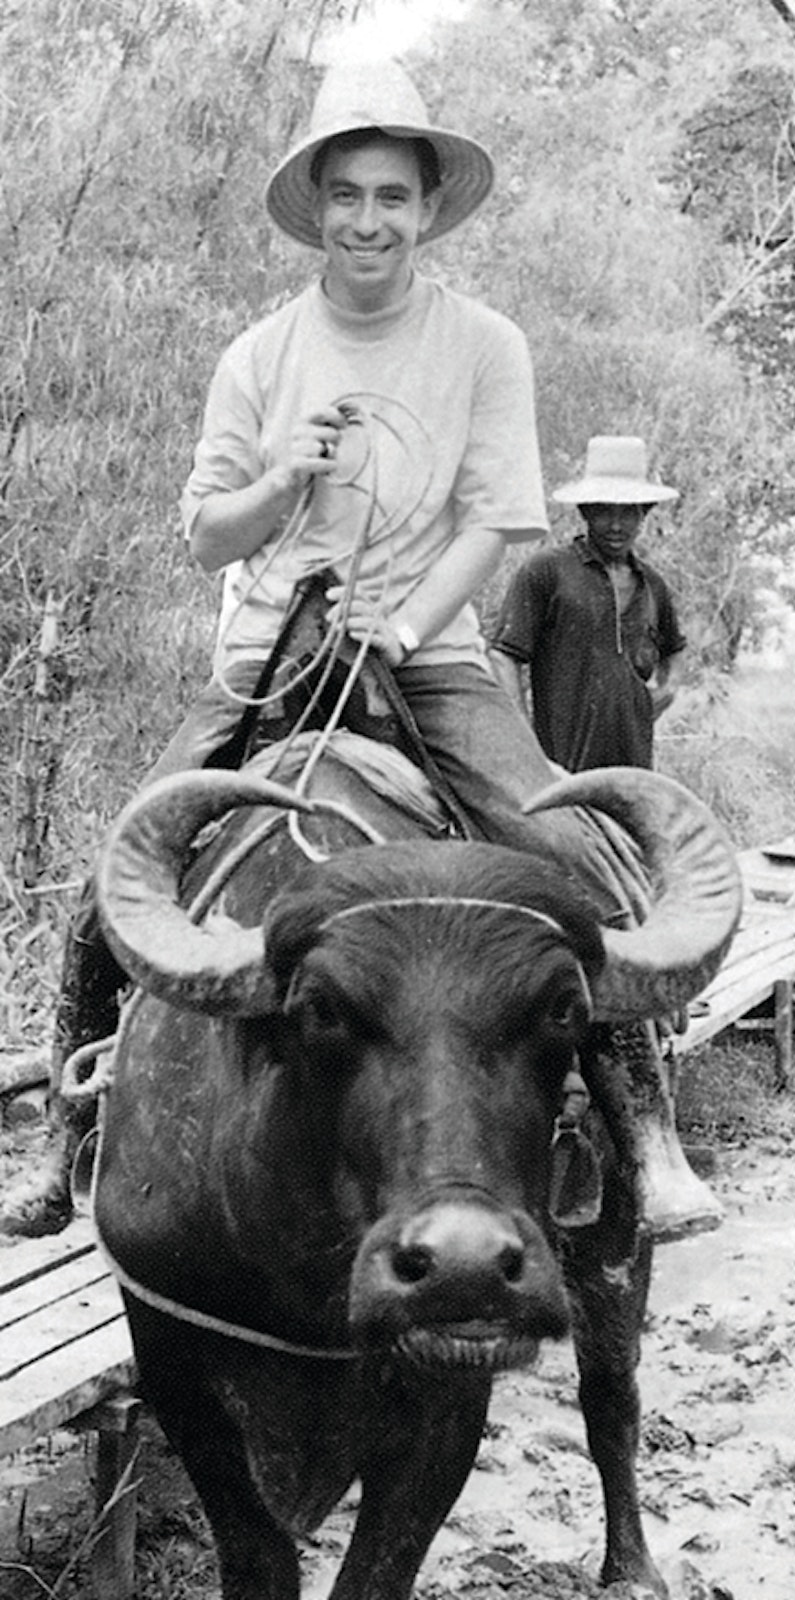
(82, 1271)
(113, 1556)
(762, 969)
(782, 1032)
(702, 1029)
(761, 956)
(779, 957)
(52, 1327)
(768, 890)
(745, 985)
(760, 915)
(759, 928)
(756, 911)
(766, 876)
(21, 1259)
(727, 1004)
(67, 1381)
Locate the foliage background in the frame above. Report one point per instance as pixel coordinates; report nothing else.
(640, 233)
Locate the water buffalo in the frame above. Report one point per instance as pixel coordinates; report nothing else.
(327, 1151)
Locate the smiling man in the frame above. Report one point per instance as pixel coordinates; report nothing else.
(444, 387)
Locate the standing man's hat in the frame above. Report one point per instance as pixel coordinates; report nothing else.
(376, 95)
(616, 474)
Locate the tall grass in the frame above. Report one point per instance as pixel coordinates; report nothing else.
(732, 740)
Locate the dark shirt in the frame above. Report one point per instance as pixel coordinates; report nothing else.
(589, 661)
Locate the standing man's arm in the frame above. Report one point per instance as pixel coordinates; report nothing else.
(508, 673)
(669, 672)
(518, 631)
(666, 681)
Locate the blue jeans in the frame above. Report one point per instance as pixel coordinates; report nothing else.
(212, 720)
(493, 762)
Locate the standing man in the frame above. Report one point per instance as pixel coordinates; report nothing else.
(595, 624)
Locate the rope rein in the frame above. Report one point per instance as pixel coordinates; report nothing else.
(211, 1324)
(467, 903)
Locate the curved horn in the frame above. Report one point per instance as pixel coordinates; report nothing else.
(138, 875)
(654, 969)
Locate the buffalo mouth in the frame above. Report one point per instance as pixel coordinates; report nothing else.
(473, 1345)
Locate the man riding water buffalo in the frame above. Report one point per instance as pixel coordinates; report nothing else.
(379, 426)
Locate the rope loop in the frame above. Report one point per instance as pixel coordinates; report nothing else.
(83, 1077)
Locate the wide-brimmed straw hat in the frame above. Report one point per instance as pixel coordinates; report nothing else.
(376, 95)
(616, 473)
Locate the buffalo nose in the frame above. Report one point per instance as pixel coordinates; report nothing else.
(458, 1242)
(457, 1261)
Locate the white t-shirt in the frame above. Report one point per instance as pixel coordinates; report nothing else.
(447, 442)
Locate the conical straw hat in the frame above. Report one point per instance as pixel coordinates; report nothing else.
(376, 95)
(616, 473)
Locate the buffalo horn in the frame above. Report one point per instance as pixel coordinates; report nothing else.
(653, 969)
(138, 878)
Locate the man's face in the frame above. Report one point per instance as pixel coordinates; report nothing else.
(612, 530)
(371, 211)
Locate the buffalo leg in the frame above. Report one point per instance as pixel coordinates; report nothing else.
(608, 1305)
(426, 1442)
(258, 1561)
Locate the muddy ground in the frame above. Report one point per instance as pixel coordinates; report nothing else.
(717, 1465)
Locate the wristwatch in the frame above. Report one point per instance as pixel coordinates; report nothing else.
(407, 639)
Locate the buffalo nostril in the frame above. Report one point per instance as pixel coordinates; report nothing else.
(512, 1263)
(412, 1263)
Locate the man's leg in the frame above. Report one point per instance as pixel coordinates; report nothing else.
(86, 1012)
(492, 760)
(211, 722)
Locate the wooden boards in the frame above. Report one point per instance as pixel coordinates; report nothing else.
(64, 1341)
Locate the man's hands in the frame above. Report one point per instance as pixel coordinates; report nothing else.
(311, 450)
(364, 622)
(665, 683)
(233, 524)
(662, 696)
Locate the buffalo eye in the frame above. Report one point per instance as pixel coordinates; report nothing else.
(315, 1010)
(320, 1013)
(567, 1014)
(322, 1018)
(557, 1014)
